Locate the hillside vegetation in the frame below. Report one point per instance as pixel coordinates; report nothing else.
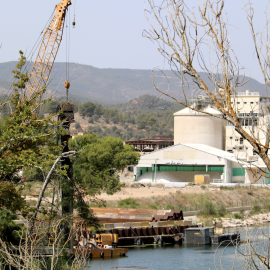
(143, 117)
(131, 121)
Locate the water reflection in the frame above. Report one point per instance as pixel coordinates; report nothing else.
(171, 257)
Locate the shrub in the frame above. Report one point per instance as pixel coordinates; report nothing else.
(115, 120)
(221, 210)
(152, 206)
(266, 205)
(203, 186)
(128, 203)
(169, 206)
(90, 120)
(256, 209)
(78, 126)
(107, 121)
(207, 208)
(226, 188)
(238, 216)
(95, 117)
(134, 185)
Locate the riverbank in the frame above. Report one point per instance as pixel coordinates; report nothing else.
(189, 198)
(258, 219)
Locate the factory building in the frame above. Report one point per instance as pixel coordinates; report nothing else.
(203, 144)
(206, 127)
(253, 113)
(180, 163)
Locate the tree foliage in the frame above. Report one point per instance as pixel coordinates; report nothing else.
(26, 140)
(95, 168)
(10, 198)
(8, 228)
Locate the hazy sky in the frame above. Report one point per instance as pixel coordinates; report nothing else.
(108, 33)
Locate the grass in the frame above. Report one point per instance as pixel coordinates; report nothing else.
(152, 206)
(169, 206)
(256, 209)
(128, 203)
(226, 188)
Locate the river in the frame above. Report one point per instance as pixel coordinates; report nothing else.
(171, 257)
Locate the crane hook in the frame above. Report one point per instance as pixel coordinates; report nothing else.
(67, 85)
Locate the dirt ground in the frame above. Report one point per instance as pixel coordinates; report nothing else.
(148, 191)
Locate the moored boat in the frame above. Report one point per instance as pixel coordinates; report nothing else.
(92, 252)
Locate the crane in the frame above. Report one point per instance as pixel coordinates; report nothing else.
(48, 49)
(39, 77)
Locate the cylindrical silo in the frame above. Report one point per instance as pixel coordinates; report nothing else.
(200, 128)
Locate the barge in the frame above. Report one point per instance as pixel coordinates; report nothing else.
(102, 252)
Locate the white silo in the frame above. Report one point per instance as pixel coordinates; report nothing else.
(199, 127)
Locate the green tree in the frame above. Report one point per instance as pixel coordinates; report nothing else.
(8, 228)
(33, 174)
(26, 140)
(95, 168)
(98, 110)
(51, 106)
(87, 109)
(142, 124)
(10, 198)
(78, 126)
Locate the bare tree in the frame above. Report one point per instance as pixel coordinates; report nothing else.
(42, 248)
(198, 39)
(192, 39)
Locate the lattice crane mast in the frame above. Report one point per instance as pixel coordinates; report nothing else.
(49, 47)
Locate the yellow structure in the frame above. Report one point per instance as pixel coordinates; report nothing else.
(106, 239)
(49, 47)
(202, 179)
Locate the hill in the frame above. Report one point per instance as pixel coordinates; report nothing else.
(147, 104)
(131, 120)
(112, 86)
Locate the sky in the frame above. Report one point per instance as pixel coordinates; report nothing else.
(108, 33)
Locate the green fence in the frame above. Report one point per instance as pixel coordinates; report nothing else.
(176, 168)
(238, 172)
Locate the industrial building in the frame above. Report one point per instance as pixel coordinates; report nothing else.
(203, 144)
(150, 145)
(180, 163)
(253, 113)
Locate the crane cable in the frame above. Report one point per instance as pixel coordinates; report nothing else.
(67, 83)
(34, 49)
(31, 54)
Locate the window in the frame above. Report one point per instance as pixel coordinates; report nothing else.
(241, 140)
(251, 102)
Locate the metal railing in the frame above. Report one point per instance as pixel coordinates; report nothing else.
(217, 180)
